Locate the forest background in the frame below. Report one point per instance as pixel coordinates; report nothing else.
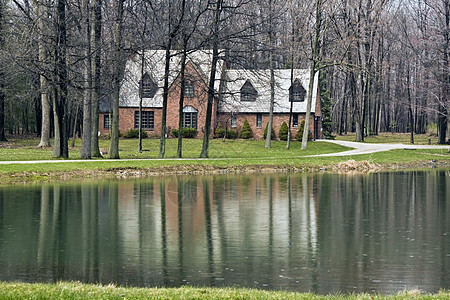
(383, 64)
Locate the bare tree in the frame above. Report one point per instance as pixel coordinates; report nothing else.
(270, 34)
(2, 80)
(173, 31)
(212, 79)
(312, 72)
(114, 146)
(61, 148)
(96, 33)
(87, 78)
(42, 15)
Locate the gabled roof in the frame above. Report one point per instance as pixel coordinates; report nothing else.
(154, 65)
(260, 79)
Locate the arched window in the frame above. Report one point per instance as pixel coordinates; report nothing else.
(297, 92)
(189, 117)
(148, 86)
(248, 92)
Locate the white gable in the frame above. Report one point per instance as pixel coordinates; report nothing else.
(260, 79)
(154, 65)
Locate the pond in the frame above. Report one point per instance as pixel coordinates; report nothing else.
(322, 233)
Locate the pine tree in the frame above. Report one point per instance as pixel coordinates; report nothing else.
(246, 131)
(326, 104)
(283, 132)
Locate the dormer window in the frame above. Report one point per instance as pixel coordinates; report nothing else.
(188, 89)
(148, 86)
(297, 92)
(248, 92)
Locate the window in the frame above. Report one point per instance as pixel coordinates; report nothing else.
(297, 92)
(248, 92)
(233, 122)
(189, 117)
(189, 89)
(148, 86)
(148, 120)
(258, 120)
(107, 121)
(294, 120)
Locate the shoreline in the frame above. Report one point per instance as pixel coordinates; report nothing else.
(344, 167)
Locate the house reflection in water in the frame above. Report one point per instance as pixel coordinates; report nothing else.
(322, 233)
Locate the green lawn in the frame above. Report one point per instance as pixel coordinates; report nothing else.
(76, 290)
(397, 138)
(25, 149)
(228, 156)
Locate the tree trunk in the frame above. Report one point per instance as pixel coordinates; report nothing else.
(61, 114)
(312, 72)
(272, 79)
(2, 81)
(181, 101)
(411, 118)
(141, 92)
(288, 143)
(162, 141)
(2, 104)
(96, 33)
(142, 78)
(57, 141)
(444, 104)
(42, 15)
(172, 34)
(212, 79)
(75, 124)
(87, 113)
(114, 146)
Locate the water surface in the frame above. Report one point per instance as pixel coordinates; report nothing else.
(322, 233)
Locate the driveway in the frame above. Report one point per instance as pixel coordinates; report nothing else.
(365, 148)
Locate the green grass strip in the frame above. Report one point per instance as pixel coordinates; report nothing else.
(77, 290)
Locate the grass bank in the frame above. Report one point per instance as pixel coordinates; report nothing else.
(76, 290)
(232, 156)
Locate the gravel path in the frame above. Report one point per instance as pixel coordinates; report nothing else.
(365, 148)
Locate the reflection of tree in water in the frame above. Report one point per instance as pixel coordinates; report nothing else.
(162, 189)
(306, 232)
(188, 190)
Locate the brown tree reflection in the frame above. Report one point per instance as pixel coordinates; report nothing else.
(322, 233)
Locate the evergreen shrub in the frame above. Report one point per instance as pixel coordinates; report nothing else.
(283, 132)
(246, 131)
(299, 135)
(188, 133)
(232, 134)
(134, 134)
(219, 132)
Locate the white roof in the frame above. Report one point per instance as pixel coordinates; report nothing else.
(154, 66)
(260, 79)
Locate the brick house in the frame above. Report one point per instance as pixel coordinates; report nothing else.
(240, 95)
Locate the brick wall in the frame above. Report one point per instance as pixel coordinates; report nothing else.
(199, 102)
(258, 133)
(126, 120)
